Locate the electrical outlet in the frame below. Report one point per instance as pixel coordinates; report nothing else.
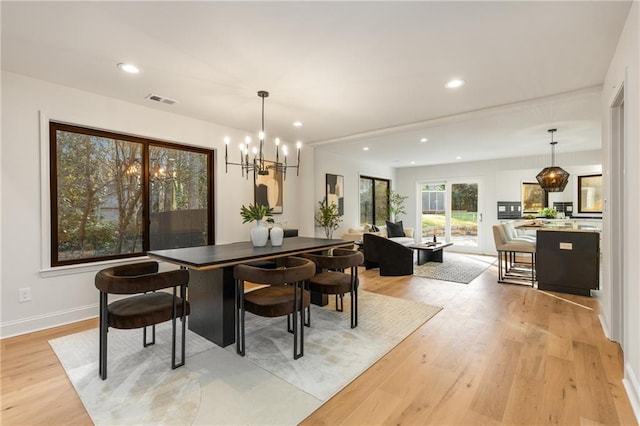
(24, 294)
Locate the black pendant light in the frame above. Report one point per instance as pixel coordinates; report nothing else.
(553, 179)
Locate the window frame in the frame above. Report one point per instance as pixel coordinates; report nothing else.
(373, 195)
(54, 126)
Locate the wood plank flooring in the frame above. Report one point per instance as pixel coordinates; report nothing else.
(496, 354)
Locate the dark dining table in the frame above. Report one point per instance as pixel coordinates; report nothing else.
(212, 289)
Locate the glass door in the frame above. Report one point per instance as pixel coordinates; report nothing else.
(450, 211)
(463, 208)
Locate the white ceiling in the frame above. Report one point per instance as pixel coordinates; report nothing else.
(355, 73)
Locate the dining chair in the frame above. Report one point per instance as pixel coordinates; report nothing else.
(285, 295)
(333, 280)
(146, 306)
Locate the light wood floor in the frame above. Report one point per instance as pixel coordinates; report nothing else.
(496, 354)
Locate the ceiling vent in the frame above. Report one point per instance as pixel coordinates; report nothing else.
(161, 99)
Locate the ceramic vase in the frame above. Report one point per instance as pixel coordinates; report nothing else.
(277, 235)
(259, 235)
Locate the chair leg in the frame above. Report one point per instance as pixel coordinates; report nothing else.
(144, 336)
(175, 365)
(104, 327)
(354, 297)
(340, 307)
(307, 321)
(240, 317)
(298, 332)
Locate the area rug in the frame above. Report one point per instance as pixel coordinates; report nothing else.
(216, 386)
(456, 267)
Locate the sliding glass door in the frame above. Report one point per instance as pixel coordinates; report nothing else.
(450, 211)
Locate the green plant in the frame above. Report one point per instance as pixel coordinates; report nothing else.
(396, 204)
(328, 217)
(548, 212)
(254, 212)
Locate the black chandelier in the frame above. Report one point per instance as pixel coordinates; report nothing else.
(259, 164)
(553, 179)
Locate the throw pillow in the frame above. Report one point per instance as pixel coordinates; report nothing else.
(395, 229)
(367, 228)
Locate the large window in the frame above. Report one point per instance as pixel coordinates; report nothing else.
(116, 196)
(374, 200)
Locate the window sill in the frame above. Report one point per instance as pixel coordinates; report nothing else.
(87, 267)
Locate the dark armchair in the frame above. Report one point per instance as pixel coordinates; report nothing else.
(392, 258)
(146, 307)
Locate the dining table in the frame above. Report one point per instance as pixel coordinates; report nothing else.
(212, 289)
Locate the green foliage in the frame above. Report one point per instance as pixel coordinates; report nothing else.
(396, 204)
(254, 212)
(548, 212)
(328, 217)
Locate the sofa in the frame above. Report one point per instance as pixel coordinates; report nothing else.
(358, 233)
(392, 258)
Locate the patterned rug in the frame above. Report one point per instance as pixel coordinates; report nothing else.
(217, 386)
(459, 268)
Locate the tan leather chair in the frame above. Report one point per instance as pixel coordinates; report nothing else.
(509, 269)
(285, 295)
(147, 308)
(333, 279)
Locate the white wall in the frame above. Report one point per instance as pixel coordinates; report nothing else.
(351, 169)
(69, 296)
(500, 181)
(625, 69)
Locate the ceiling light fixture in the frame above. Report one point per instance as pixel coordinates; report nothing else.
(366, 148)
(423, 140)
(297, 124)
(553, 179)
(130, 68)
(259, 165)
(452, 84)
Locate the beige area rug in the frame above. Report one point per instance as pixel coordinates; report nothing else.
(457, 267)
(217, 386)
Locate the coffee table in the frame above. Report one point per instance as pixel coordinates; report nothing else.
(429, 252)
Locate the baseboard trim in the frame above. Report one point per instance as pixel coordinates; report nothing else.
(43, 322)
(604, 325)
(632, 386)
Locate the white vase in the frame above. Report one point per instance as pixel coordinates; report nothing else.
(259, 235)
(277, 235)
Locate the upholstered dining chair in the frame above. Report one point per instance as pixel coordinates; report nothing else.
(285, 295)
(146, 307)
(334, 280)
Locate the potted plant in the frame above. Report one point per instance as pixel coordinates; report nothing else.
(548, 212)
(396, 205)
(328, 217)
(259, 233)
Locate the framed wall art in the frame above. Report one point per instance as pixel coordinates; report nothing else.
(534, 198)
(335, 191)
(269, 190)
(590, 194)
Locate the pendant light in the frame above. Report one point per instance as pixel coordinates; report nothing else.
(553, 179)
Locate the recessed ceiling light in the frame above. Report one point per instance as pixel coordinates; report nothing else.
(366, 148)
(423, 140)
(130, 68)
(413, 162)
(452, 84)
(297, 124)
(458, 158)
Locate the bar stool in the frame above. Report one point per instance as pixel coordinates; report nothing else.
(285, 295)
(511, 271)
